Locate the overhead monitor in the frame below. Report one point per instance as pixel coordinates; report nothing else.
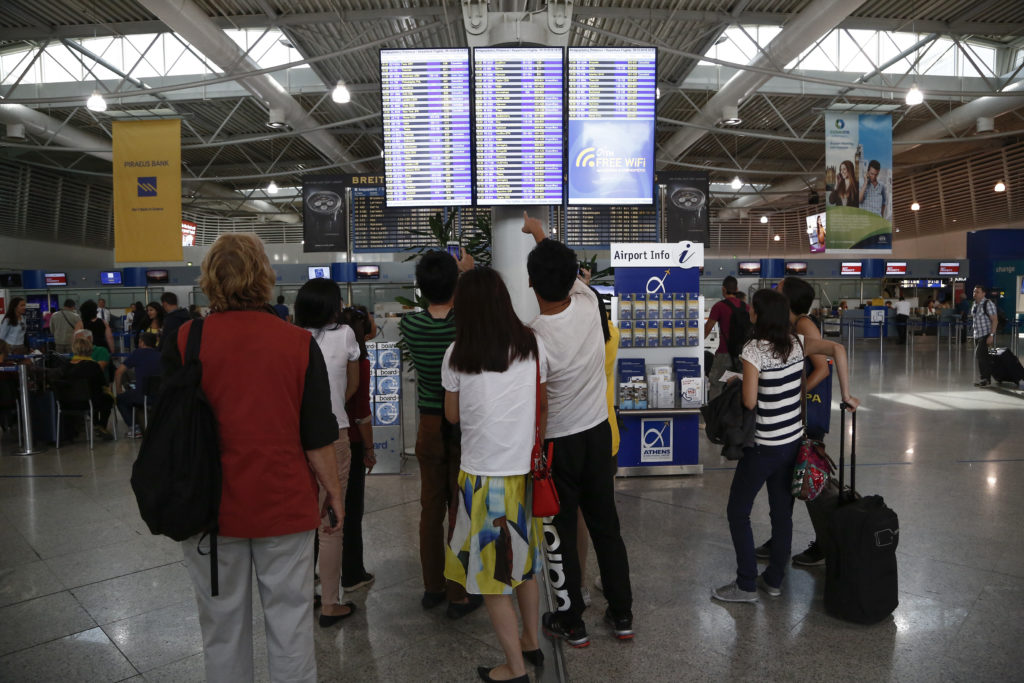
(427, 148)
(949, 268)
(157, 276)
(895, 267)
(188, 233)
(611, 111)
(749, 267)
(816, 232)
(518, 104)
(10, 280)
(367, 272)
(55, 279)
(111, 277)
(796, 267)
(850, 268)
(314, 272)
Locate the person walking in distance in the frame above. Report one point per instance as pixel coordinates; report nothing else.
(985, 320)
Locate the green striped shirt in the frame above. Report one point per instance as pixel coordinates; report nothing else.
(428, 338)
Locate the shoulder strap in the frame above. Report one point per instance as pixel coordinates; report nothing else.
(536, 412)
(195, 336)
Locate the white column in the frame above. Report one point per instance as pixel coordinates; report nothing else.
(509, 249)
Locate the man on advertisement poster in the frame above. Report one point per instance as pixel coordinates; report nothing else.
(872, 195)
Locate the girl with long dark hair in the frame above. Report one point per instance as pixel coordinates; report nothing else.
(846, 193)
(490, 375)
(12, 327)
(318, 309)
(773, 362)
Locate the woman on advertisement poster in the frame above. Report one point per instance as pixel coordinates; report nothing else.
(845, 193)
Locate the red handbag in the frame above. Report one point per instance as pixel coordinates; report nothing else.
(545, 495)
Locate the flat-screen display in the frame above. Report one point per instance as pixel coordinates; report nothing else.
(816, 232)
(749, 267)
(895, 267)
(315, 272)
(796, 267)
(111, 277)
(367, 272)
(10, 279)
(425, 105)
(518, 106)
(157, 276)
(188, 233)
(611, 111)
(56, 279)
(850, 268)
(949, 268)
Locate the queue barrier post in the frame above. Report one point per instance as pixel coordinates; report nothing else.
(26, 413)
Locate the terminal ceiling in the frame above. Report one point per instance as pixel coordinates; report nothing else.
(230, 154)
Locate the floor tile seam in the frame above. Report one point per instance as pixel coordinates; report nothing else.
(663, 502)
(89, 548)
(4, 655)
(120, 576)
(390, 507)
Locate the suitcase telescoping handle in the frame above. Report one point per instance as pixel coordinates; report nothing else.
(843, 407)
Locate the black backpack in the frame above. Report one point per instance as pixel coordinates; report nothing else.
(177, 476)
(740, 329)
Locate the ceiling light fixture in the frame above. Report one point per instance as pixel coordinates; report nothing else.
(96, 102)
(1000, 187)
(914, 96)
(657, 93)
(340, 94)
(731, 116)
(776, 238)
(272, 188)
(736, 183)
(764, 219)
(915, 207)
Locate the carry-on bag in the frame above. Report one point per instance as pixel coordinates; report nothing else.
(1006, 367)
(860, 562)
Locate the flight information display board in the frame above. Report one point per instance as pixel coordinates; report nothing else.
(612, 96)
(519, 101)
(425, 104)
(599, 226)
(379, 227)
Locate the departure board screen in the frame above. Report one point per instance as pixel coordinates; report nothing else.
(519, 101)
(612, 95)
(379, 227)
(425, 104)
(599, 226)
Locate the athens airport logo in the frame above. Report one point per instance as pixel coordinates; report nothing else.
(840, 124)
(602, 158)
(656, 440)
(147, 186)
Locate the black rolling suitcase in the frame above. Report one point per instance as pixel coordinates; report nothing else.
(1006, 367)
(860, 562)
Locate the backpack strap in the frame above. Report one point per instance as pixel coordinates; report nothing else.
(195, 337)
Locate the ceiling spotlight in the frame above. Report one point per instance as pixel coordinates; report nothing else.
(736, 183)
(272, 188)
(776, 238)
(657, 93)
(731, 116)
(915, 207)
(764, 219)
(277, 119)
(1000, 187)
(340, 94)
(96, 102)
(914, 96)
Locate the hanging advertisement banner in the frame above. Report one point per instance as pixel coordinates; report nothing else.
(816, 232)
(324, 224)
(858, 186)
(147, 190)
(683, 199)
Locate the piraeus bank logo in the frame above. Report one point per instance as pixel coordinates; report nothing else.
(840, 124)
(655, 440)
(600, 157)
(147, 186)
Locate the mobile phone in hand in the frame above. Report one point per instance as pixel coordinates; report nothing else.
(332, 517)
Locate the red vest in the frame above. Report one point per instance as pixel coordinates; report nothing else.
(254, 372)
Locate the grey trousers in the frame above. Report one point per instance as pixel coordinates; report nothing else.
(284, 575)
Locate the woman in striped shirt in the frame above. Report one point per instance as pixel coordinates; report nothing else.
(773, 363)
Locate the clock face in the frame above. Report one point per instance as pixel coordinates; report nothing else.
(324, 202)
(688, 198)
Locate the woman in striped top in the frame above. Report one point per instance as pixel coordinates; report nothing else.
(772, 376)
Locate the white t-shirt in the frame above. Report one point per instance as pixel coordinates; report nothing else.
(575, 348)
(778, 391)
(497, 414)
(902, 308)
(339, 347)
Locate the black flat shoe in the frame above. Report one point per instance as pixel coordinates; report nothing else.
(431, 599)
(485, 675)
(328, 620)
(457, 610)
(535, 657)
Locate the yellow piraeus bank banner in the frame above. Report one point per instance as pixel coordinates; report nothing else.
(147, 190)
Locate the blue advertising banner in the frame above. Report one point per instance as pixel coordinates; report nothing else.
(858, 182)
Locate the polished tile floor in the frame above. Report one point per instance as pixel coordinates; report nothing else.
(87, 594)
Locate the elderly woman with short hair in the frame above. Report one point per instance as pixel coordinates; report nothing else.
(267, 384)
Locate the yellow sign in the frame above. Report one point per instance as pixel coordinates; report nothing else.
(147, 190)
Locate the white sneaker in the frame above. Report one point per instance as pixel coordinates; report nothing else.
(733, 593)
(770, 590)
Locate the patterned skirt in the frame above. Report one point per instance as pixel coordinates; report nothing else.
(495, 544)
